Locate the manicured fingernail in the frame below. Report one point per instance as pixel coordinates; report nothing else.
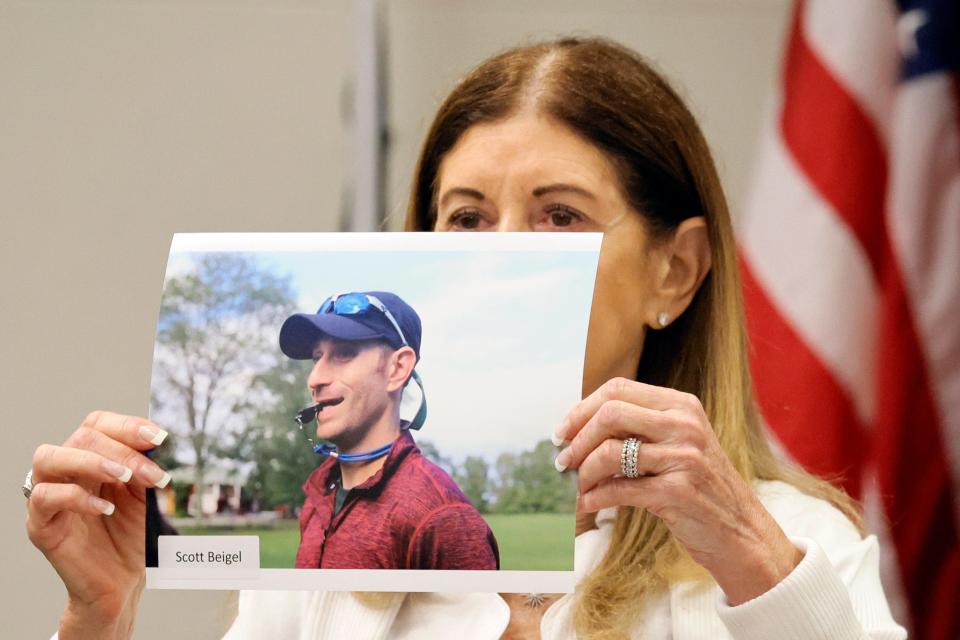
(558, 441)
(118, 471)
(154, 475)
(562, 460)
(101, 505)
(154, 436)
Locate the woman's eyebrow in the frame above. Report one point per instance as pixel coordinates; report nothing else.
(560, 187)
(461, 191)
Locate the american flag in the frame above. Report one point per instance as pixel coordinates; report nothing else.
(850, 246)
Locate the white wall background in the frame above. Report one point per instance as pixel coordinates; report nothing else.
(122, 122)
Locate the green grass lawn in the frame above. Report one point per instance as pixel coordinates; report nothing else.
(528, 542)
(534, 541)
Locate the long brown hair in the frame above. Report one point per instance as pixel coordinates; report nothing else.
(612, 97)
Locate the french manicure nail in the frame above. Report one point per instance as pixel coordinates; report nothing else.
(101, 505)
(557, 438)
(154, 436)
(561, 461)
(155, 475)
(118, 471)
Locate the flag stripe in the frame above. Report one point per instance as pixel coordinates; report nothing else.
(912, 470)
(921, 388)
(865, 57)
(792, 235)
(851, 171)
(924, 218)
(789, 396)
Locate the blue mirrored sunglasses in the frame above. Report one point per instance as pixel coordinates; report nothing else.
(352, 304)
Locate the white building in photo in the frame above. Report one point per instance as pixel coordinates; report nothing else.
(223, 482)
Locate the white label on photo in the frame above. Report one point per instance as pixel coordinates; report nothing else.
(208, 557)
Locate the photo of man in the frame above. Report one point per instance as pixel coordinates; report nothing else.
(289, 371)
(376, 502)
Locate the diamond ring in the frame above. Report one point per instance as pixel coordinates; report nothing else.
(628, 458)
(28, 484)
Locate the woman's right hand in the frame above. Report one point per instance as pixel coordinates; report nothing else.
(87, 514)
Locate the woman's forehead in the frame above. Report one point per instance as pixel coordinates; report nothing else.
(534, 150)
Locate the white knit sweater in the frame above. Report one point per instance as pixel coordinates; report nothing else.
(833, 594)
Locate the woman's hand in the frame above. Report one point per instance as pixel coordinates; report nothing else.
(686, 480)
(87, 515)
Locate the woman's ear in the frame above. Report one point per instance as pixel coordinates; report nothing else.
(401, 367)
(684, 263)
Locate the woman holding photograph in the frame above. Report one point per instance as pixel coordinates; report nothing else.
(688, 527)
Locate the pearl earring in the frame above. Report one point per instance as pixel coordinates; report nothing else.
(663, 318)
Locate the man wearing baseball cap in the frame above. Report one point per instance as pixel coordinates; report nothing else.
(375, 502)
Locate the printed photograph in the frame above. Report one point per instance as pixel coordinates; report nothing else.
(371, 409)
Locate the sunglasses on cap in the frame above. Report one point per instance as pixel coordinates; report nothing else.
(353, 304)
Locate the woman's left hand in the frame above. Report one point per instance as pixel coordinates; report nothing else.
(686, 480)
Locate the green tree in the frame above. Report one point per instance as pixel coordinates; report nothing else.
(473, 481)
(529, 483)
(216, 344)
(504, 488)
(284, 456)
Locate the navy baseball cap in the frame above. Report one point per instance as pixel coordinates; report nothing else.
(361, 315)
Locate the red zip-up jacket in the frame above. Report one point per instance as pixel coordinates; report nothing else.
(408, 515)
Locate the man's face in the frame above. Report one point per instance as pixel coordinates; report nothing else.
(354, 375)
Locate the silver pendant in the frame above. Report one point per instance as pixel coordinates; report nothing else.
(535, 600)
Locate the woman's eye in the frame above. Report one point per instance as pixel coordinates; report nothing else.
(467, 220)
(561, 216)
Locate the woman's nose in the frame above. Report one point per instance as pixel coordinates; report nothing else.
(514, 220)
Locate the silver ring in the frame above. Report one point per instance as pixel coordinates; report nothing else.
(628, 458)
(28, 484)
